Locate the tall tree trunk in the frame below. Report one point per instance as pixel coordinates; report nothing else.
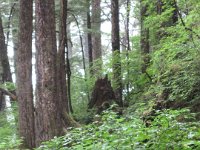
(51, 115)
(5, 73)
(7, 76)
(2, 48)
(117, 77)
(96, 36)
(89, 38)
(144, 39)
(48, 121)
(24, 75)
(61, 80)
(128, 47)
(68, 67)
(15, 31)
(2, 98)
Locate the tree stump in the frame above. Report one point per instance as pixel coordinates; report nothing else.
(102, 95)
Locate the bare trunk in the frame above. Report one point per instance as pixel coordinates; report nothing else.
(24, 75)
(117, 77)
(5, 73)
(96, 36)
(2, 98)
(128, 47)
(61, 68)
(2, 47)
(48, 121)
(7, 76)
(15, 30)
(144, 39)
(89, 39)
(68, 67)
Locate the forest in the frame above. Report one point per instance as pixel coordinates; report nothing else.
(100, 74)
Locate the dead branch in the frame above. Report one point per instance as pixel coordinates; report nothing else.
(11, 95)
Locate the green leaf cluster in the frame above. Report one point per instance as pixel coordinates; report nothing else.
(170, 129)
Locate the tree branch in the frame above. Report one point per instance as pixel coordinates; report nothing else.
(11, 95)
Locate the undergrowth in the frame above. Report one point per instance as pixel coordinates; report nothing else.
(169, 129)
(8, 128)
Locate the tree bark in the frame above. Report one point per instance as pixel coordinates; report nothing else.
(61, 80)
(117, 78)
(128, 47)
(2, 98)
(96, 36)
(144, 37)
(15, 31)
(89, 38)
(68, 65)
(7, 76)
(24, 75)
(2, 48)
(48, 121)
(5, 73)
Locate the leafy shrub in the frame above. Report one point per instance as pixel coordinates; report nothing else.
(8, 128)
(129, 132)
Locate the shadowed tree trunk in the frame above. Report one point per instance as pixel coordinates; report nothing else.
(5, 73)
(2, 48)
(68, 63)
(117, 78)
(89, 38)
(128, 47)
(61, 68)
(2, 98)
(24, 75)
(7, 76)
(144, 39)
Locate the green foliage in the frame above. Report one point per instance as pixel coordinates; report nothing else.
(8, 86)
(129, 132)
(174, 66)
(10, 142)
(8, 128)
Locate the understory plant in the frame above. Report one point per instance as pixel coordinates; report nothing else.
(169, 129)
(8, 128)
